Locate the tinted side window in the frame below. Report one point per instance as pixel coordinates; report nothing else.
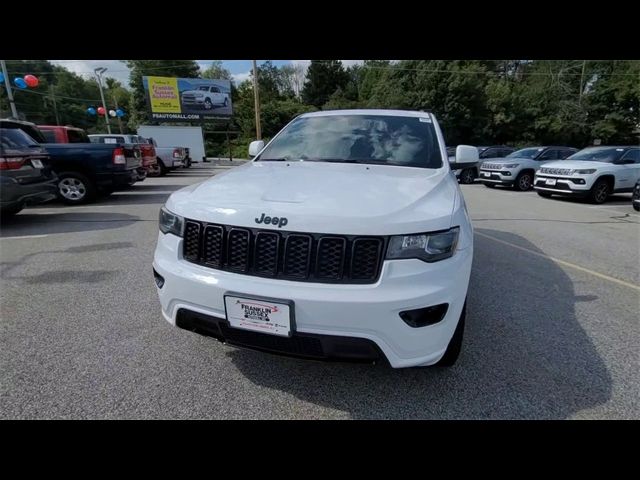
(632, 155)
(548, 155)
(562, 154)
(490, 153)
(77, 136)
(49, 136)
(14, 138)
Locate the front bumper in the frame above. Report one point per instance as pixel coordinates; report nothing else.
(369, 312)
(567, 186)
(500, 177)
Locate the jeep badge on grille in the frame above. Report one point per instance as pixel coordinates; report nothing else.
(279, 221)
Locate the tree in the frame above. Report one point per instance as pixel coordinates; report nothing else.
(293, 78)
(216, 71)
(324, 77)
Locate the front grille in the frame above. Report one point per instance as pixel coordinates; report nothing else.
(297, 256)
(556, 171)
(491, 166)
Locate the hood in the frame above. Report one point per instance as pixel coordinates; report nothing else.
(324, 198)
(576, 164)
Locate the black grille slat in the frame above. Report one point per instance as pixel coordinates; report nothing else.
(286, 255)
(266, 253)
(330, 257)
(212, 246)
(238, 250)
(365, 258)
(297, 256)
(191, 250)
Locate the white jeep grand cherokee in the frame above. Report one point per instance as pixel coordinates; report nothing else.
(594, 172)
(347, 237)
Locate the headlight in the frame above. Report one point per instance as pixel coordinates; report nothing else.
(587, 171)
(429, 247)
(510, 165)
(171, 223)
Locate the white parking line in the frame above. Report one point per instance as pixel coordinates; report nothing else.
(563, 262)
(24, 236)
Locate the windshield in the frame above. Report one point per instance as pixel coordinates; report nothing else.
(377, 139)
(598, 154)
(525, 153)
(204, 88)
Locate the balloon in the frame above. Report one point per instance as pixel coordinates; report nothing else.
(91, 111)
(19, 82)
(100, 111)
(31, 81)
(1, 78)
(112, 113)
(120, 112)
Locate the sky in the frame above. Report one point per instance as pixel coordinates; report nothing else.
(239, 69)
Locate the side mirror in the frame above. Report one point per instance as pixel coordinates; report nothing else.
(255, 147)
(466, 154)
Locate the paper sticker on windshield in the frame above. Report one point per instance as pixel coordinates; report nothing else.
(425, 119)
(110, 140)
(619, 149)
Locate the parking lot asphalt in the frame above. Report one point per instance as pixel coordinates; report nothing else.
(552, 326)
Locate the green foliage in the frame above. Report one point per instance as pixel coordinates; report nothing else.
(216, 71)
(516, 102)
(324, 77)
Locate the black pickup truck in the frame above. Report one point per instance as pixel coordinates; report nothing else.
(86, 169)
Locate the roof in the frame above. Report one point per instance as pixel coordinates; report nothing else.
(381, 112)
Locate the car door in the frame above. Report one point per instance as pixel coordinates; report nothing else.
(629, 169)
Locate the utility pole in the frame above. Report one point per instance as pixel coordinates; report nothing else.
(115, 101)
(100, 71)
(55, 105)
(7, 84)
(256, 97)
(584, 64)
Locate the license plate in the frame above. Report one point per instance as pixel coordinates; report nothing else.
(259, 314)
(36, 163)
(550, 181)
(486, 174)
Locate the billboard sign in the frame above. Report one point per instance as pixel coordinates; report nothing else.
(187, 99)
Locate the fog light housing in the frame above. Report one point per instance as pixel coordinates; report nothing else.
(506, 174)
(422, 317)
(158, 278)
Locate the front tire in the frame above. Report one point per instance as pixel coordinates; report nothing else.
(467, 176)
(207, 104)
(523, 182)
(455, 344)
(600, 192)
(75, 188)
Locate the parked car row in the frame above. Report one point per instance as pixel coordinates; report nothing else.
(593, 172)
(40, 162)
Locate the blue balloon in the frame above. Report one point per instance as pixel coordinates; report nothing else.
(1, 78)
(120, 112)
(19, 82)
(91, 111)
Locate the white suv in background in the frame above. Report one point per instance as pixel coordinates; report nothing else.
(594, 172)
(346, 237)
(518, 168)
